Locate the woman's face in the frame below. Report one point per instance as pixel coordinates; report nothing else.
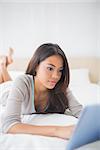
(49, 72)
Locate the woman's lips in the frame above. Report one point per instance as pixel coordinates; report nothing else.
(53, 82)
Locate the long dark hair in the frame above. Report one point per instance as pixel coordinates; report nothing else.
(57, 102)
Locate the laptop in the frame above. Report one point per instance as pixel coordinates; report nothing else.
(87, 129)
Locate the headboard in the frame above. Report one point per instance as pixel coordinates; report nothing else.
(92, 63)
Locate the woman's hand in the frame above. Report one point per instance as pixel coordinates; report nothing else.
(64, 132)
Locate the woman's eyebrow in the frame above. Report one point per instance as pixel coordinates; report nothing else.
(55, 66)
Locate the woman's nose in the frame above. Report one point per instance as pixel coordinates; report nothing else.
(55, 75)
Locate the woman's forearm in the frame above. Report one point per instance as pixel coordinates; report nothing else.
(33, 129)
(53, 131)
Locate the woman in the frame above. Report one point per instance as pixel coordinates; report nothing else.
(43, 89)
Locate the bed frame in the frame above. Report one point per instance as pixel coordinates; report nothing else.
(92, 63)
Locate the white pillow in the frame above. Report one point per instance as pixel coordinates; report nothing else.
(79, 76)
(49, 119)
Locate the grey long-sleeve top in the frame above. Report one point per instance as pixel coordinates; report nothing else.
(21, 101)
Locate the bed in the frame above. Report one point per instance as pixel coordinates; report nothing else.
(86, 93)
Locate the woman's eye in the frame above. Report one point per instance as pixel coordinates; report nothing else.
(50, 69)
(61, 71)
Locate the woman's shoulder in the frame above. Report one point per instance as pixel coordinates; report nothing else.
(24, 79)
(68, 91)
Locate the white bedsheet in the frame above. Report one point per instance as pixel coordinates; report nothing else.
(34, 142)
(31, 142)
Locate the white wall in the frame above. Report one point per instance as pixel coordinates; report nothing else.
(25, 26)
